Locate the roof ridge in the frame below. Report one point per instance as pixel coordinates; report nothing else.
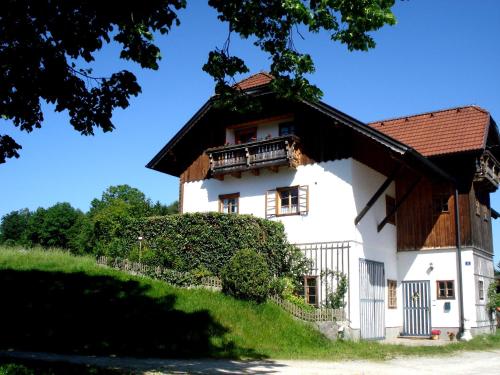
(478, 108)
(267, 74)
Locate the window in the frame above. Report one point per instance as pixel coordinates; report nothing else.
(390, 205)
(287, 128)
(288, 201)
(229, 203)
(445, 289)
(481, 289)
(485, 213)
(245, 135)
(440, 204)
(310, 291)
(392, 301)
(293, 200)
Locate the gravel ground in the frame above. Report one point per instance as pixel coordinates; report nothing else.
(470, 363)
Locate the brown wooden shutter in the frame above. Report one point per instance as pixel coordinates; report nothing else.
(271, 202)
(304, 199)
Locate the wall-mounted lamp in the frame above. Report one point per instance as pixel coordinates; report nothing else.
(140, 238)
(431, 267)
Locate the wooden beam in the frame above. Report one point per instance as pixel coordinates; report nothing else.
(274, 169)
(377, 194)
(236, 174)
(219, 177)
(399, 203)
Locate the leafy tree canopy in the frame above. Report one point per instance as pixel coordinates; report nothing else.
(54, 226)
(124, 200)
(47, 48)
(13, 226)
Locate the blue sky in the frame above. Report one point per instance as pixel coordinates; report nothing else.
(440, 54)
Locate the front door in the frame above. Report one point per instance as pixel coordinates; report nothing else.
(416, 308)
(372, 305)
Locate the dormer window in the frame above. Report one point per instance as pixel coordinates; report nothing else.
(245, 135)
(287, 128)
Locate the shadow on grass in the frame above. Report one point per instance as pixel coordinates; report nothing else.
(101, 315)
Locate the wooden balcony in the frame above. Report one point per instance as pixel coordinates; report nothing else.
(487, 172)
(252, 156)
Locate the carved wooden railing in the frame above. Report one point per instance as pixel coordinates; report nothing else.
(487, 171)
(271, 152)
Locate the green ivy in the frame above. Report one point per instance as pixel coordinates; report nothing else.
(493, 297)
(335, 299)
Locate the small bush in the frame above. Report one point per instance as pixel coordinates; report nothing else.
(246, 276)
(14, 369)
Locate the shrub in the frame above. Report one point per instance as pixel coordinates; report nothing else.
(14, 369)
(202, 240)
(246, 276)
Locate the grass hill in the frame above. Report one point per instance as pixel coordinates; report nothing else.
(53, 301)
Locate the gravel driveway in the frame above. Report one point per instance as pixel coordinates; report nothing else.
(486, 362)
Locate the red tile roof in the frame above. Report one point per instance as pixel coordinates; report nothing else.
(440, 132)
(256, 80)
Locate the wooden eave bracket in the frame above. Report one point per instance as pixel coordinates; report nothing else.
(399, 203)
(377, 194)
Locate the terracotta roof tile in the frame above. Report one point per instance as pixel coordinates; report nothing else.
(441, 132)
(255, 80)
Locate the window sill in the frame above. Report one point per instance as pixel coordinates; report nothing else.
(292, 214)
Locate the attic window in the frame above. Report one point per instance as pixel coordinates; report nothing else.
(287, 128)
(245, 135)
(485, 213)
(440, 204)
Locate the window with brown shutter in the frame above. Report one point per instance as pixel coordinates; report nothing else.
(392, 300)
(284, 201)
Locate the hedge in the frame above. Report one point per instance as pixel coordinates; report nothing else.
(203, 241)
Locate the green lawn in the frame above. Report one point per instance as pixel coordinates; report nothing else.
(52, 301)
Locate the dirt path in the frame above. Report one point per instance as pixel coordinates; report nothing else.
(470, 363)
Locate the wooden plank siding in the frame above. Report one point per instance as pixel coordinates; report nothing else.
(482, 237)
(419, 226)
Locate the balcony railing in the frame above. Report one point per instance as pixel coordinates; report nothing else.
(273, 152)
(487, 171)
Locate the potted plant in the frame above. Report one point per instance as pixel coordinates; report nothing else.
(435, 334)
(451, 335)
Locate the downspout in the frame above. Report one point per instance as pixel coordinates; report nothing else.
(459, 266)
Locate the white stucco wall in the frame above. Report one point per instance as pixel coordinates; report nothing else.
(331, 202)
(338, 191)
(415, 265)
(370, 244)
(483, 271)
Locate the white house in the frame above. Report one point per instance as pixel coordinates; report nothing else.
(400, 206)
